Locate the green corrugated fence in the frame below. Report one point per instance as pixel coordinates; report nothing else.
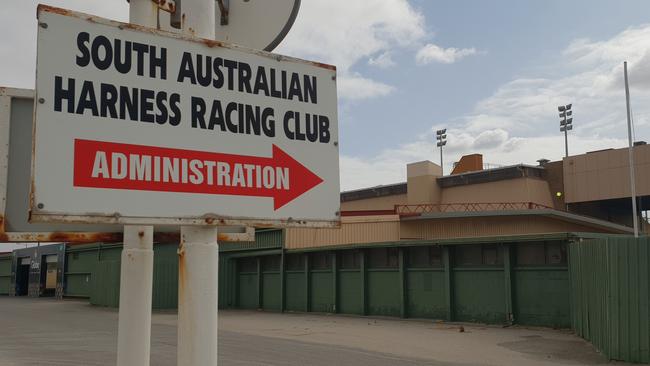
(264, 239)
(93, 271)
(105, 290)
(610, 295)
(489, 283)
(82, 268)
(5, 273)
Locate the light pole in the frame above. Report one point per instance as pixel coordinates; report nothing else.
(565, 124)
(441, 137)
(631, 152)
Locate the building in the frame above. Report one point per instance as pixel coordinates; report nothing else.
(533, 245)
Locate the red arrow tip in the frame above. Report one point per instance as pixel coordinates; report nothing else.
(301, 179)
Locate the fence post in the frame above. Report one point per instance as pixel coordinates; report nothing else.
(335, 284)
(507, 274)
(307, 284)
(448, 284)
(402, 284)
(363, 272)
(282, 280)
(259, 282)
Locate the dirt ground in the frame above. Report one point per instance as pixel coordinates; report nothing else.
(49, 332)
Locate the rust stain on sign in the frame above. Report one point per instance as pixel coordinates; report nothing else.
(52, 9)
(85, 237)
(100, 237)
(212, 43)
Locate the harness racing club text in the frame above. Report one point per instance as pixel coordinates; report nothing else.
(166, 107)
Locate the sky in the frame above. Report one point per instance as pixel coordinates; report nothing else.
(491, 72)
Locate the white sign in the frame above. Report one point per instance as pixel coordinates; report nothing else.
(133, 125)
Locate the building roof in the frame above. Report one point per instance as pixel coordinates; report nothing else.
(374, 192)
(551, 213)
(491, 175)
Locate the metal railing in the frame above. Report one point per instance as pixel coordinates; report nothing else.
(415, 210)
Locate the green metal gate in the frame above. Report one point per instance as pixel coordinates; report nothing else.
(610, 285)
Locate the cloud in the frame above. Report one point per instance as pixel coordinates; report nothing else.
(18, 27)
(344, 32)
(383, 61)
(356, 87)
(641, 73)
(519, 122)
(340, 32)
(433, 53)
(490, 139)
(354, 32)
(361, 173)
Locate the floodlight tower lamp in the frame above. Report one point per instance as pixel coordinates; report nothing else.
(566, 124)
(441, 138)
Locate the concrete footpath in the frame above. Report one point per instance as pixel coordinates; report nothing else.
(49, 332)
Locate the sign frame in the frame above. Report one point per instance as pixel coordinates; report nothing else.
(39, 213)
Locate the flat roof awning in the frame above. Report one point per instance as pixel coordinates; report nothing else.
(502, 223)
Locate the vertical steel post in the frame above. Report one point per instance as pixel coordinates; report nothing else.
(198, 18)
(136, 280)
(198, 281)
(5, 117)
(442, 167)
(198, 274)
(566, 138)
(144, 13)
(631, 153)
(136, 272)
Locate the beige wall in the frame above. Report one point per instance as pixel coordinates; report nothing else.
(606, 175)
(421, 182)
(378, 229)
(468, 227)
(378, 203)
(554, 175)
(511, 190)
(354, 230)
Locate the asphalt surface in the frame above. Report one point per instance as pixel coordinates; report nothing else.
(49, 332)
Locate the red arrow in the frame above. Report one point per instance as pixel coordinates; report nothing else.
(111, 165)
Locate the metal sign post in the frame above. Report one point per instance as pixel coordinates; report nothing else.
(198, 255)
(136, 281)
(136, 272)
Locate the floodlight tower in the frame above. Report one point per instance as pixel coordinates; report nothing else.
(441, 137)
(566, 124)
